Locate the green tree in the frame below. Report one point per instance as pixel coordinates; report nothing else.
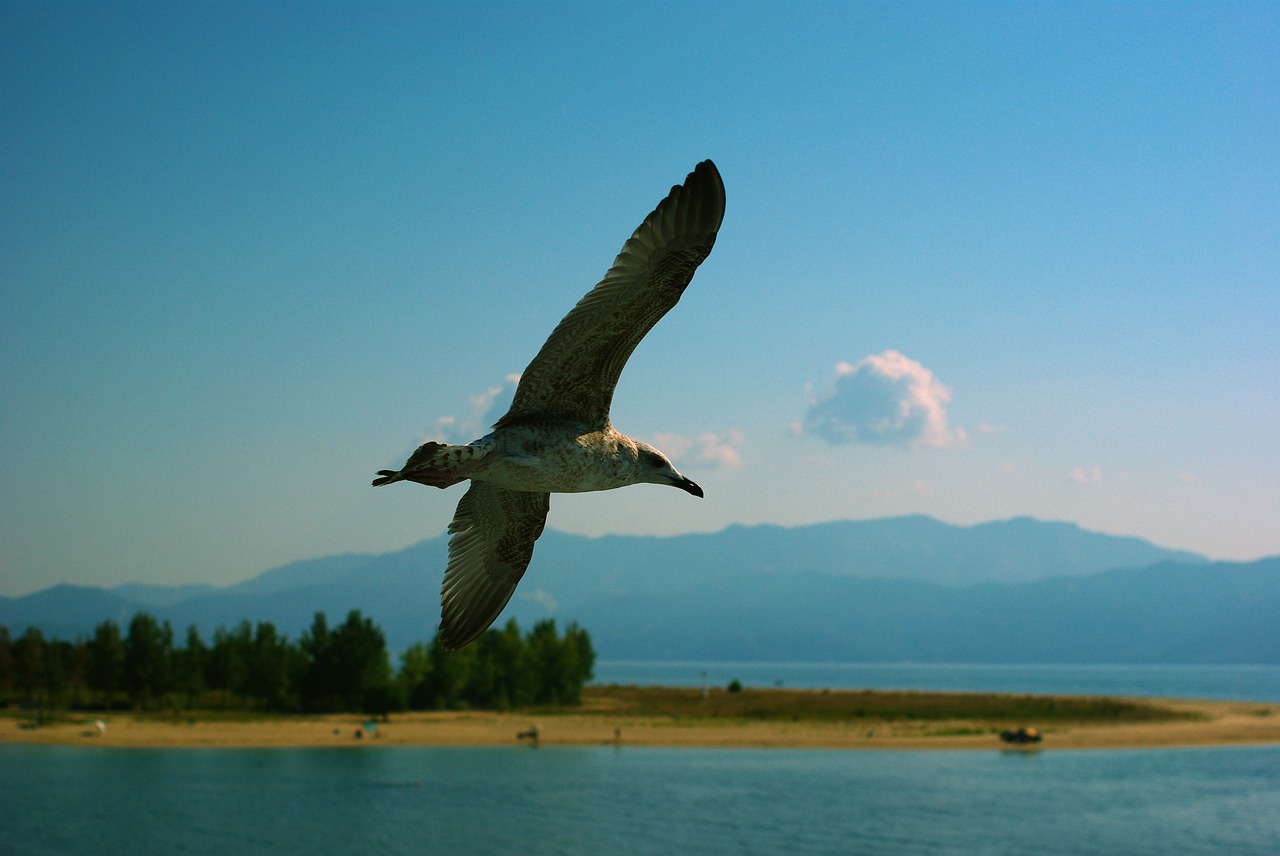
(41, 669)
(6, 663)
(78, 662)
(318, 688)
(500, 678)
(66, 664)
(548, 663)
(148, 649)
(415, 670)
(559, 667)
(189, 666)
(361, 664)
(227, 666)
(29, 666)
(347, 667)
(106, 662)
(448, 676)
(580, 661)
(268, 667)
(501, 670)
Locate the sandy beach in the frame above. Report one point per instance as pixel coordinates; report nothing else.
(1214, 723)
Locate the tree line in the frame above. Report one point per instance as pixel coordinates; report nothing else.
(327, 669)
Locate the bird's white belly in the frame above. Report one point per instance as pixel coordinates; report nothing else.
(564, 465)
(537, 474)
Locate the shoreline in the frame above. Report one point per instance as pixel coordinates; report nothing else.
(1208, 723)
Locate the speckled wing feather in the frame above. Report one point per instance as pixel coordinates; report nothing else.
(493, 533)
(574, 374)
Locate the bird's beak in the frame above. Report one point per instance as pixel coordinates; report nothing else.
(687, 486)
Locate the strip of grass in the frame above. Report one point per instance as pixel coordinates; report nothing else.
(871, 705)
(780, 705)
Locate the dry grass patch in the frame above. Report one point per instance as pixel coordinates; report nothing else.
(872, 705)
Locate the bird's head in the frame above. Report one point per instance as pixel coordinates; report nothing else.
(655, 468)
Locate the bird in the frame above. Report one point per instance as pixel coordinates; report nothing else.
(557, 436)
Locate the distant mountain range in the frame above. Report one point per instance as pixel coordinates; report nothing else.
(897, 589)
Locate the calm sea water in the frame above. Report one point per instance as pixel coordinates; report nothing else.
(1248, 683)
(90, 800)
(571, 801)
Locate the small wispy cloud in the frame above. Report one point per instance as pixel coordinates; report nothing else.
(884, 399)
(541, 597)
(711, 450)
(1085, 475)
(484, 409)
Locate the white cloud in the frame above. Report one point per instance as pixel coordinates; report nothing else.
(541, 597)
(885, 399)
(485, 409)
(1085, 475)
(710, 450)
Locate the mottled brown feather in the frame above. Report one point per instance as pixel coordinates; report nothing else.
(574, 375)
(493, 530)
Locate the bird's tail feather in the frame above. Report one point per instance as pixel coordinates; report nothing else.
(436, 465)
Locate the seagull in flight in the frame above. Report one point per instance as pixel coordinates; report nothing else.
(557, 437)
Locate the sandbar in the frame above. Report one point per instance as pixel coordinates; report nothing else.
(1212, 723)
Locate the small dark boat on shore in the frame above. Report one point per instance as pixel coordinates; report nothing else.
(1020, 736)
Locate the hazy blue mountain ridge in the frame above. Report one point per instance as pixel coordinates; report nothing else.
(1163, 613)
(907, 588)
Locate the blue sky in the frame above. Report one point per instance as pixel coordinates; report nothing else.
(979, 261)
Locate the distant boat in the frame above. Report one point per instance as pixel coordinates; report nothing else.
(1020, 735)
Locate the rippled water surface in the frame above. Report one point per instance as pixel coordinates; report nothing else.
(598, 800)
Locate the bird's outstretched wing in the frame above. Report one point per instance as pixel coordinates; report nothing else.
(493, 533)
(574, 374)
